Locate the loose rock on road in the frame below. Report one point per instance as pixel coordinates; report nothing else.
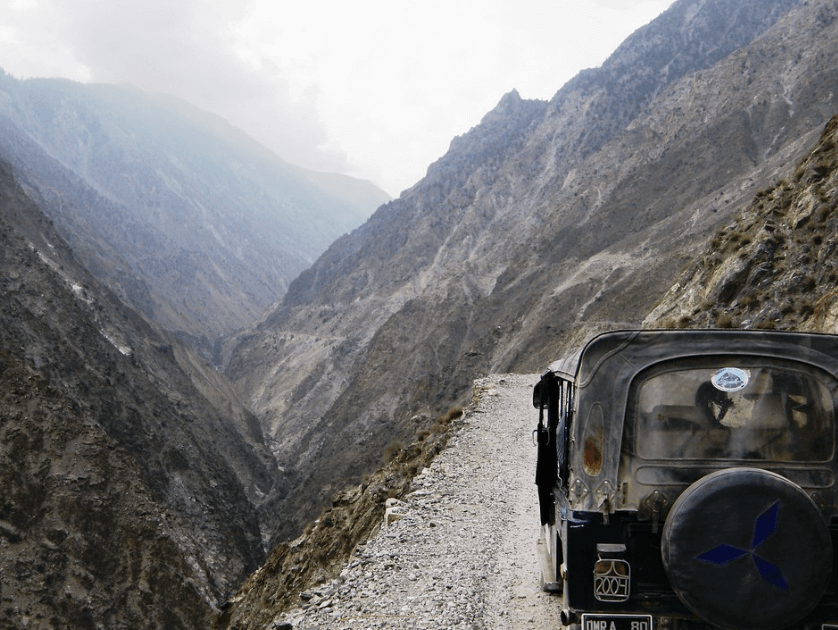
(462, 553)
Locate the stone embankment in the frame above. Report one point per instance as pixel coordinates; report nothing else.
(459, 549)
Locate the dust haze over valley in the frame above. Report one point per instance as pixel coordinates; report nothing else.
(204, 346)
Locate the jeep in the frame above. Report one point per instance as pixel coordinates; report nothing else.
(687, 479)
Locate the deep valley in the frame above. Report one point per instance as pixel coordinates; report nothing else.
(215, 367)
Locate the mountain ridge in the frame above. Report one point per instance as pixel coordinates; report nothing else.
(493, 262)
(759, 271)
(545, 223)
(182, 214)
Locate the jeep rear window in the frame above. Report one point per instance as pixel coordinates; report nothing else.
(735, 410)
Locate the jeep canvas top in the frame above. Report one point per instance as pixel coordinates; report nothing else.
(687, 479)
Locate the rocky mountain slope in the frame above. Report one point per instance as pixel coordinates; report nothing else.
(183, 215)
(139, 491)
(774, 265)
(544, 223)
(132, 477)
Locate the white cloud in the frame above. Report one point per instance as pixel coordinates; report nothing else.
(396, 81)
(377, 88)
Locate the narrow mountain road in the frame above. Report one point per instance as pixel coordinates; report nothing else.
(462, 554)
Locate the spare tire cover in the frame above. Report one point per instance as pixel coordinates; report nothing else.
(747, 548)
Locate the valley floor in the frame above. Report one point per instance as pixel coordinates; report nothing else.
(462, 556)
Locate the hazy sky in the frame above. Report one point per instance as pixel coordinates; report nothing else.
(371, 88)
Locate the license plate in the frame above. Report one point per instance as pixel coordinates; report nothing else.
(616, 622)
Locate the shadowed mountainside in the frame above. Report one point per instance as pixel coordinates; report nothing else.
(131, 487)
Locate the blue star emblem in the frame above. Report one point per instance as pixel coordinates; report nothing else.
(764, 527)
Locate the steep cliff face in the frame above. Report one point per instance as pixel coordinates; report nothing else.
(131, 487)
(183, 215)
(774, 265)
(545, 222)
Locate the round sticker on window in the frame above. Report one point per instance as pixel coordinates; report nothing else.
(731, 379)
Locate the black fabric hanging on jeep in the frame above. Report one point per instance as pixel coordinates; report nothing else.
(546, 467)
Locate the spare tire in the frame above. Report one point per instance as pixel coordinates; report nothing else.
(746, 548)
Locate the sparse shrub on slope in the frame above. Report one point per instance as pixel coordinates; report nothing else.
(775, 266)
(321, 551)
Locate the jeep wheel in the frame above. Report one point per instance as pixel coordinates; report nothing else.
(747, 548)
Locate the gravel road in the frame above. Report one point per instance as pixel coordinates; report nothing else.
(462, 555)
